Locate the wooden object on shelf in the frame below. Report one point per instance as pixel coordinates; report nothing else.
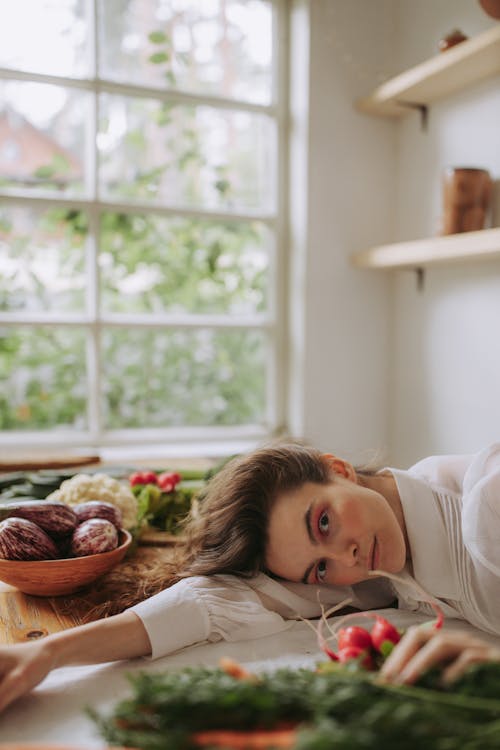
(491, 7)
(466, 246)
(467, 195)
(466, 63)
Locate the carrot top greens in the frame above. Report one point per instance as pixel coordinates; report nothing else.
(337, 708)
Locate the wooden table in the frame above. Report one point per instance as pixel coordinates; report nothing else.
(24, 617)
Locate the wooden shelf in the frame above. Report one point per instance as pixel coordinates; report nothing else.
(467, 63)
(453, 248)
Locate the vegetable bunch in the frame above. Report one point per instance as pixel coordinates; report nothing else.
(332, 710)
(167, 481)
(164, 498)
(367, 647)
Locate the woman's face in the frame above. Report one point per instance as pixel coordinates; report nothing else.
(333, 533)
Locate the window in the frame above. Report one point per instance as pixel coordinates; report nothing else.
(140, 155)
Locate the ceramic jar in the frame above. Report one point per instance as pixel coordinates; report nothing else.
(466, 199)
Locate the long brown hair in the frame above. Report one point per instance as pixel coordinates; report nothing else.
(226, 531)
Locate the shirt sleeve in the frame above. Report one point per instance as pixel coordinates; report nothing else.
(481, 532)
(225, 607)
(201, 609)
(481, 509)
(446, 472)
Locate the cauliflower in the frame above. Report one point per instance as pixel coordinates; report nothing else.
(84, 487)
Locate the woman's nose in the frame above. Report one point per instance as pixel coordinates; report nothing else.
(348, 554)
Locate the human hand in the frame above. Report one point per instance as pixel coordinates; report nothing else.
(423, 647)
(22, 667)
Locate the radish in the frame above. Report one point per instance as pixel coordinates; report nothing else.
(354, 636)
(331, 654)
(355, 642)
(384, 632)
(354, 652)
(322, 641)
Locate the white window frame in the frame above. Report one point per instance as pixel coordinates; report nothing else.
(272, 323)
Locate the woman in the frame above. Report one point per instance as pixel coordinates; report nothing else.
(287, 516)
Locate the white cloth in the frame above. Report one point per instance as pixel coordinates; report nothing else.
(451, 506)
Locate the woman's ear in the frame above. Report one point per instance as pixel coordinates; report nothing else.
(339, 466)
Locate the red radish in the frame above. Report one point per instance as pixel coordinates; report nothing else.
(354, 652)
(149, 477)
(331, 654)
(135, 478)
(322, 641)
(382, 637)
(382, 632)
(142, 477)
(168, 480)
(354, 636)
(439, 619)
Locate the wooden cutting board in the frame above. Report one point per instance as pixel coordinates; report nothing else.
(25, 618)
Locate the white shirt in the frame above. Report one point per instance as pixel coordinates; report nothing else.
(451, 506)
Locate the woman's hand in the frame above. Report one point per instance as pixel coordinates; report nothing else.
(423, 647)
(22, 667)
(25, 665)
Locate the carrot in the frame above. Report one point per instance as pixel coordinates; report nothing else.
(236, 670)
(258, 739)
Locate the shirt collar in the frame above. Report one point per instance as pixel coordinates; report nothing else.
(431, 558)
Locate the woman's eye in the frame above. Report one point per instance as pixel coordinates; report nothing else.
(321, 571)
(323, 523)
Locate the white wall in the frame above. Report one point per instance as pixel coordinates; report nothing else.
(388, 367)
(445, 343)
(349, 205)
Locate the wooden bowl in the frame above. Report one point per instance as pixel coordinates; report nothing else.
(65, 576)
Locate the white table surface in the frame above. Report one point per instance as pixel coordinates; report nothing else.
(54, 711)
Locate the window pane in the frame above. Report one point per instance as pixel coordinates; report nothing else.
(42, 260)
(167, 378)
(42, 378)
(152, 264)
(219, 47)
(44, 36)
(42, 137)
(186, 155)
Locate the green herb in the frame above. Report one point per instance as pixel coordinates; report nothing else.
(166, 510)
(332, 709)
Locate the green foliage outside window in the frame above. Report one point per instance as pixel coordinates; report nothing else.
(148, 265)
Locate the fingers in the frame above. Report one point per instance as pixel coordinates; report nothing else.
(423, 648)
(22, 667)
(11, 688)
(412, 641)
(472, 655)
